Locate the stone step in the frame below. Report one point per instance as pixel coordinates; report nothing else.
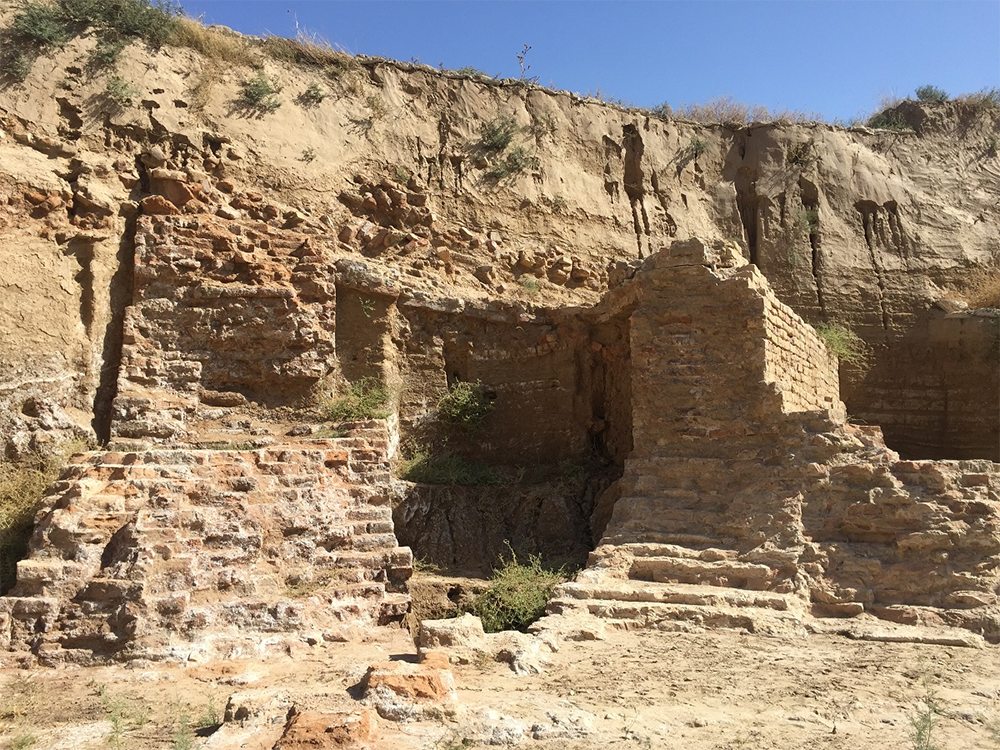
(50, 577)
(677, 593)
(665, 537)
(723, 573)
(673, 616)
(393, 558)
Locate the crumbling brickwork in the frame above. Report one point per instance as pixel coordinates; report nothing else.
(162, 553)
(745, 478)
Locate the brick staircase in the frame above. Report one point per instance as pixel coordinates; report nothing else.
(153, 554)
(675, 587)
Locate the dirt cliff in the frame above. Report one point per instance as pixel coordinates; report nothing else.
(493, 193)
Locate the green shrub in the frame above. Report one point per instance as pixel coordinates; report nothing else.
(107, 52)
(531, 285)
(472, 72)
(120, 91)
(22, 741)
(312, 96)
(517, 594)
(931, 94)
(367, 399)
(465, 406)
(497, 134)
(16, 66)
(41, 23)
(889, 121)
(515, 161)
(695, 148)
(259, 94)
(844, 344)
(426, 467)
(22, 487)
(154, 21)
(808, 220)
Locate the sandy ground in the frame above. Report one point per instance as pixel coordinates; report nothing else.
(635, 689)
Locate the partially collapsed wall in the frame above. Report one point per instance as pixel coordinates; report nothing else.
(746, 500)
(185, 554)
(745, 478)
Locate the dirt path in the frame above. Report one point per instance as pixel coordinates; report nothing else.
(639, 689)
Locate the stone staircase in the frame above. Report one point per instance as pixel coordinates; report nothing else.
(673, 587)
(159, 553)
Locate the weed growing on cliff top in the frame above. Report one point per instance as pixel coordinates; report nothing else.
(259, 94)
(727, 111)
(889, 121)
(465, 405)
(367, 399)
(217, 46)
(153, 22)
(497, 133)
(41, 24)
(844, 344)
(517, 594)
(471, 72)
(931, 94)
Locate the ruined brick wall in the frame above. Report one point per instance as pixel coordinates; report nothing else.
(226, 306)
(744, 474)
(162, 553)
(798, 360)
(716, 359)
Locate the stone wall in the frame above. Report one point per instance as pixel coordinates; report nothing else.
(736, 483)
(798, 361)
(221, 306)
(170, 553)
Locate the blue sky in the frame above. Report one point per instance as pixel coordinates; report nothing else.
(833, 57)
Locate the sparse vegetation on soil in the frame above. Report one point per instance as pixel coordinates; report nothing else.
(844, 344)
(517, 593)
(22, 486)
(366, 399)
(259, 94)
(465, 406)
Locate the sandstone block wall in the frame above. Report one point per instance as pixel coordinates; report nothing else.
(735, 482)
(223, 307)
(169, 552)
(717, 361)
(798, 361)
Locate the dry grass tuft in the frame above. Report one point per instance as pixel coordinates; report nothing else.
(309, 50)
(984, 288)
(214, 45)
(726, 110)
(22, 486)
